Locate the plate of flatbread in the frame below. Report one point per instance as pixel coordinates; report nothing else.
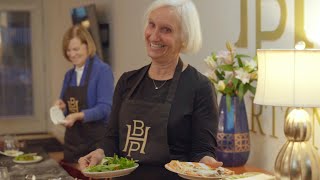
(197, 171)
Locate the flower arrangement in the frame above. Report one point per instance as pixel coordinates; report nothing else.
(232, 74)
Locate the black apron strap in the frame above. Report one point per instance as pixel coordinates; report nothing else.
(175, 82)
(142, 74)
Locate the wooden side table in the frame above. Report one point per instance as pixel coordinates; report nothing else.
(245, 168)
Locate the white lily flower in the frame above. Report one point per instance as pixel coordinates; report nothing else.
(228, 74)
(254, 76)
(243, 76)
(225, 56)
(250, 65)
(211, 75)
(211, 63)
(225, 66)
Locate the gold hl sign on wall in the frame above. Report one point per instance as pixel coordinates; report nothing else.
(299, 24)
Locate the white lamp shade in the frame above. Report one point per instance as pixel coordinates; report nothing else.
(288, 78)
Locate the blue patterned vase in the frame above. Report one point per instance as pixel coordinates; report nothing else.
(233, 134)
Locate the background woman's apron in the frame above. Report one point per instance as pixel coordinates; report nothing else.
(143, 132)
(81, 137)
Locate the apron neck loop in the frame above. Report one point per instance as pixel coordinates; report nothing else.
(173, 86)
(87, 73)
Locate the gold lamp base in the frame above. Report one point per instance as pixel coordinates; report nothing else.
(297, 159)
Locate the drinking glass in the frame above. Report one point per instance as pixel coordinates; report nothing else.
(10, 143)
(30, 177)
(4, 174)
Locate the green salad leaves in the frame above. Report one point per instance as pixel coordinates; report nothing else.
(26, 157)
(113, 163)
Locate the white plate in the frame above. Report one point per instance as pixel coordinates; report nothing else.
(56, 115)
(197, 177)
(251, 176)
(36, 159)
(109, 174)
(11, 153)
(186, 176)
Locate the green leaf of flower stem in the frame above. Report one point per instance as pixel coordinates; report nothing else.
(255, 58)
(228, 67)
(229, 46)
(213, 81)
(214, 56)
(242, 56)
(219, 75)
(235, 82)
(252, 89)
(228, 90)
(246, 88)
(240, 62)
(241, 91)
(228, 101)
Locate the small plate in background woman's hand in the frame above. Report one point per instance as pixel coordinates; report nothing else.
(56, 115)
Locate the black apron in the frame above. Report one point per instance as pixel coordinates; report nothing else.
(143, 132)
(81, 137)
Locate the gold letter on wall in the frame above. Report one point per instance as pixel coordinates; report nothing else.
(270, 35)
(256, 116)
(300, 34)
(243, 36)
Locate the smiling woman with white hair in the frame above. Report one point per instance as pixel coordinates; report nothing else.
(189, 21)
(166, 110)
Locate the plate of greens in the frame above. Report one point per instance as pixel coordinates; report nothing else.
(27, 158)
(111, 167)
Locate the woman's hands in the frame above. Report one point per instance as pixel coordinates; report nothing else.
(60, 104)
(91, 159)
(72, 118)
(210, 161)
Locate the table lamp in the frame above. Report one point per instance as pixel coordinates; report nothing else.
(291, 78)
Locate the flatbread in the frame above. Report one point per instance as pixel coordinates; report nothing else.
(196, 169)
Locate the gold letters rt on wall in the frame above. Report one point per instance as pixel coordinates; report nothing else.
(257, 111)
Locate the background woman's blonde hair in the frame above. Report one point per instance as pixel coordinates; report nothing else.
(190, 23)
(83, 34)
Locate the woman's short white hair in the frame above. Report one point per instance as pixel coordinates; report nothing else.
(190, 23)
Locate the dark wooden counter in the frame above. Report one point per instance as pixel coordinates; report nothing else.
(46, 169)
